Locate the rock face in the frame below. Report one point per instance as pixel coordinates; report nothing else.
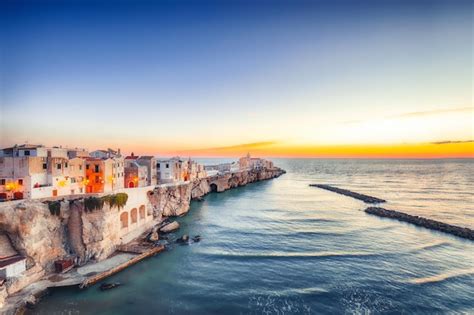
(35, 234)
(175, 200)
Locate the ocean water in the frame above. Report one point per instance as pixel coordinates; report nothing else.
(282, 247)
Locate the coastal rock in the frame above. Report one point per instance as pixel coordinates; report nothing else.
(173, 226)
(34, 233)
(154, 237)
(183, 239)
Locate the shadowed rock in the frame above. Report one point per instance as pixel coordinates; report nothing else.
(345, 192)
(424, 222)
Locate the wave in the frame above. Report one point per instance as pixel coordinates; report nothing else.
(288, 255)
(432, 245)
(442, 277)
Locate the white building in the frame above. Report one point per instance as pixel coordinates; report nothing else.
(170, 171)
(104, 154)
(12, 267)
(35, 171)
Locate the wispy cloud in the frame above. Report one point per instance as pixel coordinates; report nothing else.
(433, 112)
(452, 141)
(237, 148)
(416, 114)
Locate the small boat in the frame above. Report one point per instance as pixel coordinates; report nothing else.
(108, 286)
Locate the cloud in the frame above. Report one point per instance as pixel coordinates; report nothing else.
(238, 148)
(451, 141)
(416, 114)
(433, 112)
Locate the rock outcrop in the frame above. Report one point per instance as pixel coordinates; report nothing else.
(173, 226)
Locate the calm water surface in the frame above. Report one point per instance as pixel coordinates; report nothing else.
(281, 247)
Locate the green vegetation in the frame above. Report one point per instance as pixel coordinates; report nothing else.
(116, 200)
(93, 203)
(55, 207)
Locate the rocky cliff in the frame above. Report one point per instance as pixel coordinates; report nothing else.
(174, 200)
(43, 237)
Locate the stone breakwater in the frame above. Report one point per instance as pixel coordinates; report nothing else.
(92, 236)
(345, 192)
(423, 222)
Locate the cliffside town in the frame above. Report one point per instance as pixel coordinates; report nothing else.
(108, 202)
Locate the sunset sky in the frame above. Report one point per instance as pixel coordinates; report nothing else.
(286, 78)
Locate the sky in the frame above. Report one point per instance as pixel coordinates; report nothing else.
(274, 78)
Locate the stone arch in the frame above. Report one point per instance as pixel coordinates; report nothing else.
(141, 211)
(213, 187)
(124, 219)
(133, 215)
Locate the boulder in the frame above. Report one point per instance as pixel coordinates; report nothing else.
(183, 239)
(173, 226)
(154, 237)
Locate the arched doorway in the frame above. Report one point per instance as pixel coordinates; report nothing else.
(213, 187)
(124, 219)
(141, 212)
(133, 215)
(131, 185)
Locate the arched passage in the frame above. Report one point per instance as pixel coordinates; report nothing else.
(124, 219)
(213, 187)
(133, 215)
(131, 185)
(141, 212)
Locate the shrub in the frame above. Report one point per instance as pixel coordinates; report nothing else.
(93, 203)
(117, 200)
(54, 207)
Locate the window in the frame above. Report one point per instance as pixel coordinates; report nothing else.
(80, 190)
(96, 169)
(65, 165)
(73, 180)
(87, 166)
(2, 181)
(167, 165)
(80, 167)
(97, 179)
(158, 165)
(20, 182)
(27, 152)
(45, 166)
(58, 166)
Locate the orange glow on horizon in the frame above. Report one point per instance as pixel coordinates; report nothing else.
(424, 150)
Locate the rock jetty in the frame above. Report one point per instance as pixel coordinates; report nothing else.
(423, 222)
(345, 192)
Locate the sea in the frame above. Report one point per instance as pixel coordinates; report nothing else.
(282, 247)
